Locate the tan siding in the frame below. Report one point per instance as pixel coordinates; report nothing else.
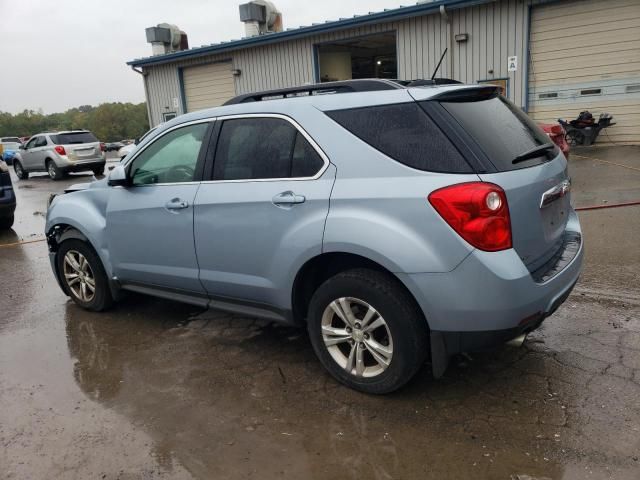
(587, 44)
(207, 86)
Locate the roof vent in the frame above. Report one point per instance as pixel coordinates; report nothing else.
(260, 17)
(166, 38)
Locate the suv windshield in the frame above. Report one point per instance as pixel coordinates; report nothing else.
(73, 138)
(501, 129)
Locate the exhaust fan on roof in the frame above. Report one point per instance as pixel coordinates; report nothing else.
(260, 17)
(166, 38)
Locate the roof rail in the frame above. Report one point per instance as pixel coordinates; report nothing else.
(346, 86)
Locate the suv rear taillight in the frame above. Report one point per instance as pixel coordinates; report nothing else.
(478, 212)
(60, 149)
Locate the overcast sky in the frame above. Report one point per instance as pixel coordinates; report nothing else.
(58, 54)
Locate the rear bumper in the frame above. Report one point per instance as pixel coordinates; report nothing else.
(492, 295)
(80, 166)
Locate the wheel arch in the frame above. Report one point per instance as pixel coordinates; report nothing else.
(325, 265)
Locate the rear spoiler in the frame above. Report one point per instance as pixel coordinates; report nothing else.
(471, 94)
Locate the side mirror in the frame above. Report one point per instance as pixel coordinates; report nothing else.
(22, 147)
(118, 177)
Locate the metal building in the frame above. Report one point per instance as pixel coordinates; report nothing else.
(554, 58)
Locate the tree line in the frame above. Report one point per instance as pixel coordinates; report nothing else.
(109, 122)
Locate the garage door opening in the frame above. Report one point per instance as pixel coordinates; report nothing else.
(373, 56)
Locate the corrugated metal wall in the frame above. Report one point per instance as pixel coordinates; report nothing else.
(496, 30)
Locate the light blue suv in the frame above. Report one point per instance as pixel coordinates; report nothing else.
(397, 222)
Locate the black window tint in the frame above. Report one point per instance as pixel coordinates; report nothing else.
(306, 161)
(41, 141)
(258, 148)
(73, 138)
(500, 128)
(405, 133)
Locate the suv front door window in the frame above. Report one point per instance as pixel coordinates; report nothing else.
(263, 208)
(150, 223)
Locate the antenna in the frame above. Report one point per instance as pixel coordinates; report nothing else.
(439, 63)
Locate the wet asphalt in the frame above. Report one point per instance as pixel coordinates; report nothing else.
(156, 389)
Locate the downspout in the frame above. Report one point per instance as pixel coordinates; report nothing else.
(146, 93)
(445, 17)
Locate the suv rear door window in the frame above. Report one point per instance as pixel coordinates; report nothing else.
(501, 130)
(73, 138)
(263, 148)
(405, 133)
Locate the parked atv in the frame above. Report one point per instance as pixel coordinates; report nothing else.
(584, 130)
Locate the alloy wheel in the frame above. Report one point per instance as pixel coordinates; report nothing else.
(79, 276)
(357, 337)
(18, 169)
(51, 169)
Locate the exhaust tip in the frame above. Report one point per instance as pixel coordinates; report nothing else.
(518, 341)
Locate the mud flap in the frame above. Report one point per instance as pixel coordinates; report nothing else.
(439, 355)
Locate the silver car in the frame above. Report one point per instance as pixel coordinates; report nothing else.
(60, 152)
(396, 223)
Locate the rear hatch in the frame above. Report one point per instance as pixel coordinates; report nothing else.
(79, 146)
(523, 161)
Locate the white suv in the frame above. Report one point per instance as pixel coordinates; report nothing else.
(59, 153)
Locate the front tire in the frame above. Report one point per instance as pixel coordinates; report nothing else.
(20, 171)
(54, 172)
(83, 276)
(367, 331)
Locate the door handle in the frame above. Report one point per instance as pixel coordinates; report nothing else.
(287, 198)
(176, 204)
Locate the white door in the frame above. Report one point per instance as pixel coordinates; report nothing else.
(207, 86)
(585, 55)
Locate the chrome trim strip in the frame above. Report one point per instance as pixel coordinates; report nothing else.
(555, 193)
(295, 124)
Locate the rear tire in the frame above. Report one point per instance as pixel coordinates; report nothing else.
(6, 222)
(82, 275)
(54, 172)
(376, 353)
(20, 171)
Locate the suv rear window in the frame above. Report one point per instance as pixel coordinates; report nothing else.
(500, 129)
(73, 138)
(405, 133)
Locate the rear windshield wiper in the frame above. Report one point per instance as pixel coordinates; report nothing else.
(534, 152)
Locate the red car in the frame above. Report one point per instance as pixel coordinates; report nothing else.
(556, 134)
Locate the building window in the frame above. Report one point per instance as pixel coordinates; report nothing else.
(591, 91)
(632, 88)
(542, 96)
(168, 116)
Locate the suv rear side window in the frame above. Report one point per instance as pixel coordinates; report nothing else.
(262, 148)
(73, 138)
(500, 129)
(405, 133)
